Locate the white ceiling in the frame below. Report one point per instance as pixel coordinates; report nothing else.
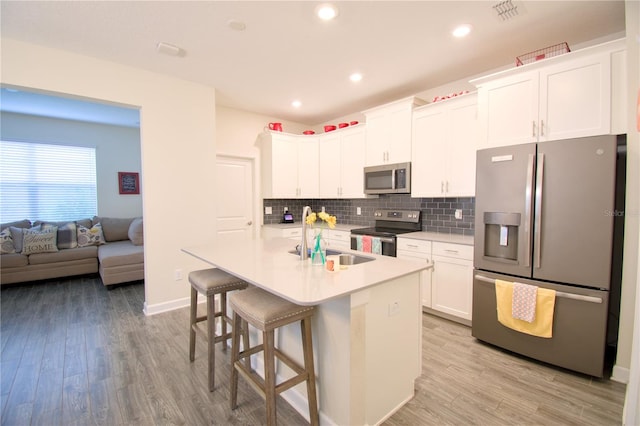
(286, 53)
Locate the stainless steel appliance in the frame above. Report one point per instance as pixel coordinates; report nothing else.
(389, 223)
(388, 179)
(545, 217)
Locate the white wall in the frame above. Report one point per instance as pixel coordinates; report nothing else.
(117, 150)
(177, 131)
(237, 130)
(630, 306)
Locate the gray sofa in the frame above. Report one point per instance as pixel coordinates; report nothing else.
(112, 247)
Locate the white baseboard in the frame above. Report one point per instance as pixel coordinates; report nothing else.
(159, 308)
(620, 374)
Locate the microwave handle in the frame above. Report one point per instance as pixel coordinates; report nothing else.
(393, 178)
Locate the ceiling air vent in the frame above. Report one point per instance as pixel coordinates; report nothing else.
(506, 10)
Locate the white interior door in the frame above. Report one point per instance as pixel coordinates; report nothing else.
(234, 197)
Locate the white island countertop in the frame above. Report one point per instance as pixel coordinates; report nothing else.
(269, 265)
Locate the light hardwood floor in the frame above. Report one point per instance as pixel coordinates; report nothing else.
(75, 353)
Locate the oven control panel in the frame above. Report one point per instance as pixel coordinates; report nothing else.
(412, 216)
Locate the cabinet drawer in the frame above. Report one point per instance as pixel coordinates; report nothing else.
(420, 246)
(343, 236)
(412, 255)
(459, 251)
(293, 232)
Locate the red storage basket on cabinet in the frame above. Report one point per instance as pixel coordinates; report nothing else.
(547, 52)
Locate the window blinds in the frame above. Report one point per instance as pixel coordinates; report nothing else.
(46, 182)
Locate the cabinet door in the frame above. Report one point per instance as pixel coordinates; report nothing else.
(308, 168)
(425, 276)
(452, 286)
(428, 166)
(339, 240)
(508, 110)
(399, 142)
(461, 148)
(352, 163)
(575, 98)
(284, 167)
(330, 160)
(378, 135)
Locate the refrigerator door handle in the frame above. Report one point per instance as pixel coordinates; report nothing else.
(538, 214)
(527, 209)
(581, 297)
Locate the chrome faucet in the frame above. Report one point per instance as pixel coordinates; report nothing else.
(304, 255)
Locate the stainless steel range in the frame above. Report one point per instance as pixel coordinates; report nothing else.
(389, 223)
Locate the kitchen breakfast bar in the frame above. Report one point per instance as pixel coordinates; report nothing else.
(366, 330)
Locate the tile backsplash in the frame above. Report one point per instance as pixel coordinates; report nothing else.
(437, 213)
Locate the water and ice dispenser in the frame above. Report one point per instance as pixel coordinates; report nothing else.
(501, 236)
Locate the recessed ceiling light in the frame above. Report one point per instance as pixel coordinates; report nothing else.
(462, 30)
(296, 104)
(355, 77)
(326, 11)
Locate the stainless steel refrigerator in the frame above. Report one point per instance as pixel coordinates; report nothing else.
(545, 217)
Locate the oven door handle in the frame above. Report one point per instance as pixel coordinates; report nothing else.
(382, 239)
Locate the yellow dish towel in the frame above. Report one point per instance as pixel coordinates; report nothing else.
(542, 326)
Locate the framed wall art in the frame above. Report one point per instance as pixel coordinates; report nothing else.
(129, 182)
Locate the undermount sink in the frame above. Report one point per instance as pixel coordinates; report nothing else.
(345, 258)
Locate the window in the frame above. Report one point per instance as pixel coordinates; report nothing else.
(47, 182)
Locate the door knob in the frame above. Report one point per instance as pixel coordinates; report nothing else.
(250, 223)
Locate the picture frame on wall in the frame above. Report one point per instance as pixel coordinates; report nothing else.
(129, 183)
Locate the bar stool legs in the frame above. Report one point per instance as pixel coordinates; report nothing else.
(211, 282)
(267, 312)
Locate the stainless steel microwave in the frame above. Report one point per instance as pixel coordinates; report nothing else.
(388, 179)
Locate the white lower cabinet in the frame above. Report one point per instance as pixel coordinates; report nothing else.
(337, 239)
(419, 250)
(452, 279)
(292, 233)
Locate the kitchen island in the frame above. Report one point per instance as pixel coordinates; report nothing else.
(366, 331)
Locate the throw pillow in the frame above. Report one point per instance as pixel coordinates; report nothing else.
(114, 228)
(17, 235)
(39, 241)
(6, 242)
(136, 232)
(67, 234)
(90, 237)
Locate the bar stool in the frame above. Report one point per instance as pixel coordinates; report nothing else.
(210, 282)
(267, 312)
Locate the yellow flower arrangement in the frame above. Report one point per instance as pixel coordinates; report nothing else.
(324, 216)
(317, 252)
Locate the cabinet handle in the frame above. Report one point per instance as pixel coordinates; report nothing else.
(442, 187)
(533, 129)
(447, 186)
(541, 127)
(451, 251)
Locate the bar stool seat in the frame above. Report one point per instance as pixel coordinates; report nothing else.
(210, 282)
(266, 312)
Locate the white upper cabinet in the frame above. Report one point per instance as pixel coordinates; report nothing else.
(389, 132)
(563, 97)
(575, 98)
(290, 165)
(444, 147)
(342, 162)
